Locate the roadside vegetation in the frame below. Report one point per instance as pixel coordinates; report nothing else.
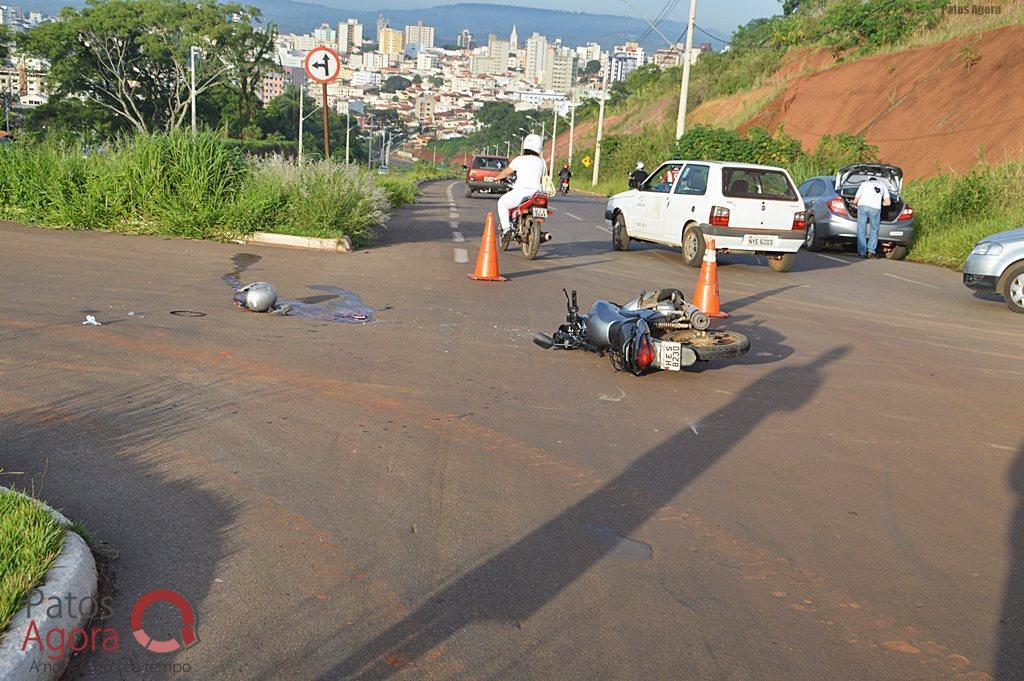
(197, 186)
(30, 540)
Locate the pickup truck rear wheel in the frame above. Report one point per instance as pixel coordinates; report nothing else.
(693, 246)
(469, 192)
(620, 236)
(1014, 294)
(782, 263)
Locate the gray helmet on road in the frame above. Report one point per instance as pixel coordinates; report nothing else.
(260, 296)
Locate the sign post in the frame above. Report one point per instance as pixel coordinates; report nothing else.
(322, 66)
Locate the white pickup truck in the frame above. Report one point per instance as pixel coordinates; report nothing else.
(745, 208)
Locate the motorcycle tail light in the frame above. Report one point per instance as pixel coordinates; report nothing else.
(719, 216)
(800, 221)
(645, 353)
(542, 201)
(838, 207)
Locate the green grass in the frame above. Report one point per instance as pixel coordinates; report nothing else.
(197, 186)
(30, 540)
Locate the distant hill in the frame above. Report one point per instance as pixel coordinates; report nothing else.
(575, 28)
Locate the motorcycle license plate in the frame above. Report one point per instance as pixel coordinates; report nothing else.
(539, 212)
(760, 240)
(670, 356)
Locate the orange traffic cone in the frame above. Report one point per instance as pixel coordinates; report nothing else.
(706, 295)
(487, 259)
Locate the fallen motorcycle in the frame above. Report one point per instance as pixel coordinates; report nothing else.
(657, 330)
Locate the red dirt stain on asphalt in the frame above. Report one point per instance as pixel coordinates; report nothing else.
(902, 647)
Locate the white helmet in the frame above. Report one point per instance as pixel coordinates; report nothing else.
(534, 143)
(640, 165)
(260, 296)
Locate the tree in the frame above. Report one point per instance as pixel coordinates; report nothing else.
(437, 81)
(394, 84)
(131, 57)
(593, 67)
(249, 54)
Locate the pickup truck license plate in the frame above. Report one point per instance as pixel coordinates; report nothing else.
(670, 356)
(760, 240)
(488, 179)
(540, 212)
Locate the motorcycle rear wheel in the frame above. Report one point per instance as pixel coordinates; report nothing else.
(712, 345)
(531, 238)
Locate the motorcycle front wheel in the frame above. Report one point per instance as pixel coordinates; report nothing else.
(531, 238)
(712, 345)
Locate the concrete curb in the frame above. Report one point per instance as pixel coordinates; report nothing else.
(73, 574)
(340, 245)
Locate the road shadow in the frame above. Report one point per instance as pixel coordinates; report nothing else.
(1009, 664)
(101, 458)
(547, 270)
(740, 303)
(518, 582)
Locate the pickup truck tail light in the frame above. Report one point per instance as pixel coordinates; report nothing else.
(907, 214)
(719, 216)
(838, 207)
(800, 220)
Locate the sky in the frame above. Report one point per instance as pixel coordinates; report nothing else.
(724, 15)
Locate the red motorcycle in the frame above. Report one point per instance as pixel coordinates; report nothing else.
(527, 219)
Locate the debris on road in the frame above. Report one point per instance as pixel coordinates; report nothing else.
(91, 321)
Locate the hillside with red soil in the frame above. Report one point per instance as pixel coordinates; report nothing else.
(928, 109)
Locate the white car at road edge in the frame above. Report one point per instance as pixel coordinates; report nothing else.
(745, 208)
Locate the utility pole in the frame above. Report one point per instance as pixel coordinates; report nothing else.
(369, 148)
(684, 89)
(600, 136)
(348, 133)
(572, 126)
(192, 83)
(301, 117)
(508, 148)
(554, 142)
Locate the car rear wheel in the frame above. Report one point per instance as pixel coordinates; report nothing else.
(620, 237)
(693, 246)
(897, 252)
(811, 239)
(1014, 294)
(782, 263)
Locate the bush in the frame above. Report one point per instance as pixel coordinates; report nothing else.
(181, 184)
(757, 146)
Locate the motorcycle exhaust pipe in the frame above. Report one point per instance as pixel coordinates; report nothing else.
(545, 237)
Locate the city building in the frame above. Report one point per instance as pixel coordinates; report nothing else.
(465, 40)
(673, 56)
(588, 53)
(624, 60)
(391, 42)
(426, 108)
(325, 35)
(536, 58)
(272, 86)
(513, 39)
(560, 71)
(25, 83)
(419, 35)
(366, 79)
(350, 37)
(382, 23)
(427, 61)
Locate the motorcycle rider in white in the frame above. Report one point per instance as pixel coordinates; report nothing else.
(529, 170)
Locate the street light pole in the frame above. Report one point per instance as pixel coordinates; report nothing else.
(348, 133)
(554, 141)
(684, 89)
(192, 86)
(301, 117)
(600, 136)
(572, 126)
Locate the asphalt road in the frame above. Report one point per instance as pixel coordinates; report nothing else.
(432, 496)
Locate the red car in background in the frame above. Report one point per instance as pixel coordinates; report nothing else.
(480, 175)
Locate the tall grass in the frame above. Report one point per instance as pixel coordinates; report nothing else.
(953, 212)
(195, 186)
